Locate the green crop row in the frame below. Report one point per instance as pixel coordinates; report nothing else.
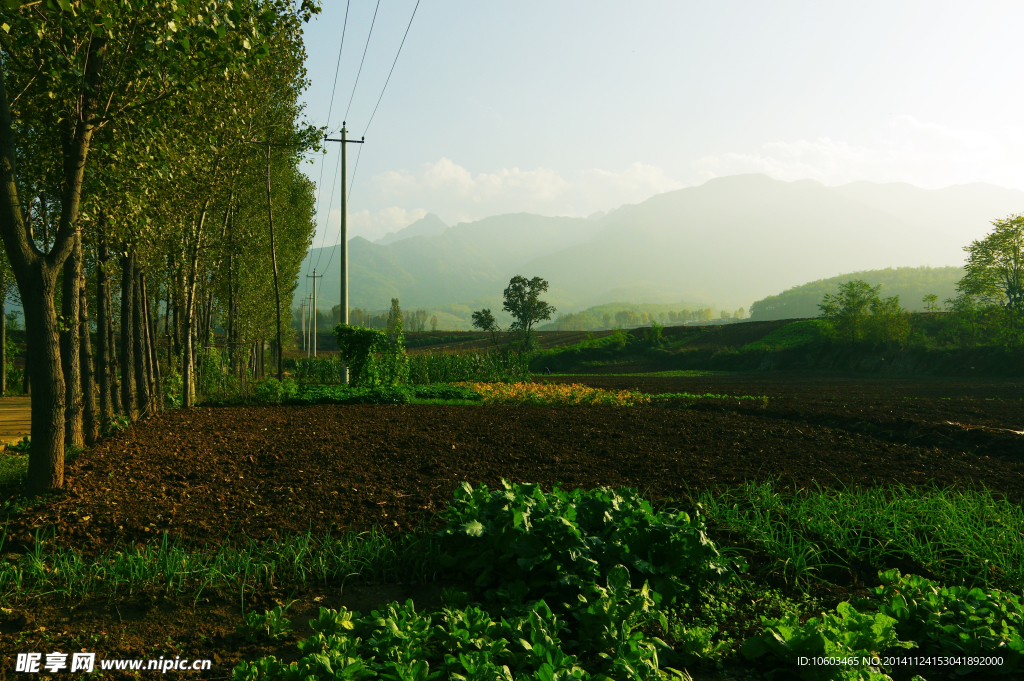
(590, 584)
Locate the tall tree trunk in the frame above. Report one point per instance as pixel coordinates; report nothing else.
(36, 272)
(154, 349)
(167, 316)
(70, 346)
(139, 351)
(115, 392)
(147, 344)
(232, 351)
(128, 398)
(188, 314)
(3, 344)
(102, 339)
(90, 423)
(273, 260)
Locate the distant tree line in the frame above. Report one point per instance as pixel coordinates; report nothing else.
(987, 307)
(911, 284)
(632, 318)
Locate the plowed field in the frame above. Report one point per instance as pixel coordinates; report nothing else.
(263, 471)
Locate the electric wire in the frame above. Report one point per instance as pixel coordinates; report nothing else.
(360, 71)
(330, 110)
(359, 154)
(392, 67)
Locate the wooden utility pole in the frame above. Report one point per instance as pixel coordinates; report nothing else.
(309, 325)
(343, 238)
(314, 277)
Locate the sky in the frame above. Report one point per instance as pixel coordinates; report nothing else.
(573, 107)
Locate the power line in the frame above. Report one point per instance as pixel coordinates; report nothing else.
(354, 85)
(330, 110)
(392, 69)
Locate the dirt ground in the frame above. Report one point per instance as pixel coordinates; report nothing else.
(265, 471)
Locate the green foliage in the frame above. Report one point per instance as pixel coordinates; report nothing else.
(909, 283)
(484, 320)
(654, 334)
(856, 313)
(271, 625)
(318, 370)
(374, 358)
(272, 391)
(995, 273)
(358, 347)
(849, 634)
(24, 445)
(964, 537)
(398, 643)
(347, 394)
(954, 620)
(846, 312)
(556, 545)
(795, 334)
(503, 366)
(522, 301)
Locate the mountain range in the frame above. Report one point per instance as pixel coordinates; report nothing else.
(725, 243)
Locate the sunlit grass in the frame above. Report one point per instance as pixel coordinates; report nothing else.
(961, 536)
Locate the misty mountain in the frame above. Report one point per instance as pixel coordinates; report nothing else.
(725, 243)
(428, 225)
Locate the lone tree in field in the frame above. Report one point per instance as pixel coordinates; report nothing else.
(995, 272)
(522, 301)
(484, 320)
(847, 311)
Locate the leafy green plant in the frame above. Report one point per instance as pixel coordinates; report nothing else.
(332, 621)
(559, 544)
(23, 445)
(848, 634)
(271, 625)
(954, 620)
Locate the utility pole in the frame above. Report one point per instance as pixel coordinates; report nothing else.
(302, 308)
(309, 325)
(343, 238)
(314, 277)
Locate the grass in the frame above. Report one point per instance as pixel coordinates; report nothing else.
(13, 468)
(792, 335)
(673, 373)
(961, 537)
(233, 567)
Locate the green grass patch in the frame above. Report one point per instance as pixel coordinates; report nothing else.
(962, 537)
(795, 334)
(13, 468)
(235, 567)
(706, 396)
(673, 373)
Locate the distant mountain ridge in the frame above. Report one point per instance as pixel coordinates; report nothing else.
(725, 243)
(428, 225)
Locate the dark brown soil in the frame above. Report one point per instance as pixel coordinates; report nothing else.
(261, 471)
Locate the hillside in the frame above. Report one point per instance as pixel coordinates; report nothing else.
(722, 244)
(911, 284)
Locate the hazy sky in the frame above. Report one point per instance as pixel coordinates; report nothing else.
(566, 108)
